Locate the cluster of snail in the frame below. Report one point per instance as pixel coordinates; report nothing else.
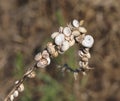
(62, 41)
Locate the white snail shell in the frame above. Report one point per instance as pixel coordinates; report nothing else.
(65, 46)
(16, 93)
(21, 88)
(54, 35)
(72, 42)
(67, 31)
(75, 23)
(11, 97)
(76, 33)
(59, 39)
(48, 61)
(88, 41)
(82, 30)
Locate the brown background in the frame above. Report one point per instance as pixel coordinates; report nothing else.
(25, 25)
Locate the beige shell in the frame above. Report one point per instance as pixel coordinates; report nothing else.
(82, 30)
(71, 42)
(67, 31)
(38, 56)
(51, 48)
(16, 93)
(59, 39)
(76, 33)
(54, 34)
(32, 75)
(42, 63)
(55, 54)
(21, 88)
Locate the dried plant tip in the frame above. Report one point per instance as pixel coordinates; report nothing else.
(32, 75)
(88, 41)
(67, 31)
(21, 88)
(75, 23)
(16, 93)
(38, 56)
(75, 75)
(11, 97)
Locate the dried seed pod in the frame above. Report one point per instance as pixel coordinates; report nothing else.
(82, 30)
(65, 46)
(88, 41)
(54, 35)
(67, 31)
(59, 39)
(76, 33)
(38, 56)
(21, 88)
(75, 23)
(16, 93)
(11, 97)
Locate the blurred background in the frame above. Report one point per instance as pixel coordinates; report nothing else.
(26, 27)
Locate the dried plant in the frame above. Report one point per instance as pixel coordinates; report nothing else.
(63, 39)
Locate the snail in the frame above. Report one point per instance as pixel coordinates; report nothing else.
(59, 39)
(67, 31)
(75, 23)
(54, 34)
(65, 46)
(88, 41)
